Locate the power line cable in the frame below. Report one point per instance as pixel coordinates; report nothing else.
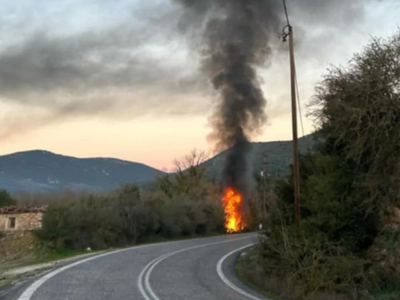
(286, 12)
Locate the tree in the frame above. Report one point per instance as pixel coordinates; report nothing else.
(192, 160)
(358, 111)
(189, 177)
(6, 199)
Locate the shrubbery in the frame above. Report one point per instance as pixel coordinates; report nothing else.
(126, 218)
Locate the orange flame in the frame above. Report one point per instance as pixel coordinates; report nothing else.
(232, 201)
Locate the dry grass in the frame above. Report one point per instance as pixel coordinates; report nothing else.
(17, 249)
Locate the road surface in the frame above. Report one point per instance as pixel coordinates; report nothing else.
(198, 269)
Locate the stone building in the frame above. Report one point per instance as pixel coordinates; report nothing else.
(14, 218)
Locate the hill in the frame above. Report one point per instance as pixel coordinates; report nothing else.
(45, 171)
(279, 156)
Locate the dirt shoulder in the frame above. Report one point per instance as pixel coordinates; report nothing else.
(9, 275)
(21, 255)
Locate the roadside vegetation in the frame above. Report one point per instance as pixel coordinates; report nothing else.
(181, 205)
(348, 246)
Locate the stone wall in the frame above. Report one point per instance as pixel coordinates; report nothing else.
(23, 221)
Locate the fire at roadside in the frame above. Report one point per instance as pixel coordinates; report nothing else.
(232, 202)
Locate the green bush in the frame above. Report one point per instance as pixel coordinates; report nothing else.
(125, 218)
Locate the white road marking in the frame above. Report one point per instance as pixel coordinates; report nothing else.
(28, 293)
(140, 279)
(146, 290)
(226, 280)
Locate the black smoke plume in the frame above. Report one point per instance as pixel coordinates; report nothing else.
(237, 41)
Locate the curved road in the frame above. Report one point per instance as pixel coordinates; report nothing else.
(198, 269)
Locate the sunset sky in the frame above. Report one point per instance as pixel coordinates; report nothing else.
(117, 79)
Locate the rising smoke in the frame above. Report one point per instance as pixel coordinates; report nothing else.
(237, 41)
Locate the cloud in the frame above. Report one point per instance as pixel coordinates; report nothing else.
(83, 63)
(82, 58)
(112, 72)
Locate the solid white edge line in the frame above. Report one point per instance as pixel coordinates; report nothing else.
(148, 269)
(226, 280)
(28, 293)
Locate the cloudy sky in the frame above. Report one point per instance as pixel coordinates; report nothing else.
(118, 79)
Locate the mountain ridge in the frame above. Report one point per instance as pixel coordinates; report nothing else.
(41, 170)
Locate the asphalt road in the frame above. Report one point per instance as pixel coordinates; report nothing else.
(198, 269)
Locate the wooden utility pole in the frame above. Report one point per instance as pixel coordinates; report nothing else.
(294, 130)
(293, 84)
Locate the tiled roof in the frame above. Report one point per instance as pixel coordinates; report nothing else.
(15, 209)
